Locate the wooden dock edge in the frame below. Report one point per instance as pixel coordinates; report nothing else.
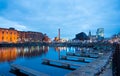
(26, 70)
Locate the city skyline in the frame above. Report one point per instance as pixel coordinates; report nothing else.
(71, 16)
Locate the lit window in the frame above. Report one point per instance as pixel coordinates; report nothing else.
(2, 38)
(10, 39)
(2, 32)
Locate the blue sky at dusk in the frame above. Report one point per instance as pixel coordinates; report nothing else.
(71, 16)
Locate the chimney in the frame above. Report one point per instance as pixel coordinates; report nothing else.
(59, 33)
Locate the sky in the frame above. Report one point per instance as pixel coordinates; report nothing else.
(71, 16)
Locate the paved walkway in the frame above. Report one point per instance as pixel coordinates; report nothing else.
(108, 71)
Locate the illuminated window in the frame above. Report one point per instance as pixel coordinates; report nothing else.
(2, 38)
(10, 32)
(2, 32)
(10, 39)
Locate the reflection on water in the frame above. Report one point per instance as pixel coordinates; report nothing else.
(29, 56)
(10, 54)
(60, 48)
(75, 49)
(32, 51)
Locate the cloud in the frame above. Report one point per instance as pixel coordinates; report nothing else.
(7, 24)
(20, 27)
(72, 16)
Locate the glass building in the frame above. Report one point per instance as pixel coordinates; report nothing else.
(100, 33)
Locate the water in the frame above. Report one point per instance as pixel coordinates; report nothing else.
(31, 57)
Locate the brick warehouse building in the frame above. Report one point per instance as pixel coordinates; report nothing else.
(8, 35)
(30, 36)
(14, 36)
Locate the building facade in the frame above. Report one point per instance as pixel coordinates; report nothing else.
(34, 36)
(8, 35)
(100, 33)
(30, 36)
(13, 36)
(81, 36)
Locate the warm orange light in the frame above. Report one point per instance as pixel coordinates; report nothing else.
(13, 36)
(8, 54)
(8, 35)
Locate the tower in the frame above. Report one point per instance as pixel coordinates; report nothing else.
(89, 34)
(59, 34)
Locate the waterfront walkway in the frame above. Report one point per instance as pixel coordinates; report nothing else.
(94, 68)
(107, 71)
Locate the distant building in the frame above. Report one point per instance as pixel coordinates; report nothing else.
(81, 36)
(21, 36)
(30, 36)
(115, 38)
(89, 34)
(92, 38)
(8, 35)
(46, 38)
(14, 36)
(56, 39)
(100, 33)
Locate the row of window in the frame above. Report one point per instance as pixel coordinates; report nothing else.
(7, 32)
(7, 38)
